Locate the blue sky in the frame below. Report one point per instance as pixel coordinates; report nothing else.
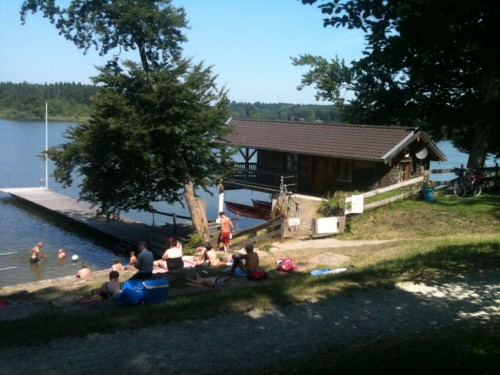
(248, 42)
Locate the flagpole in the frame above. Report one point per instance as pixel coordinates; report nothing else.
(46, 145)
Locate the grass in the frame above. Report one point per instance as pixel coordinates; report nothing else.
(415, 218)
(452, 236)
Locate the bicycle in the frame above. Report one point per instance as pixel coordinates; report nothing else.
(468, 182)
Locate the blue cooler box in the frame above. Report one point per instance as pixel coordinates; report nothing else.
(156, 291)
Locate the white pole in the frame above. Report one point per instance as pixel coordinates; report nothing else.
(221, 202)
(46, 145)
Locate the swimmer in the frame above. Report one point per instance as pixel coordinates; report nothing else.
(61, 254)
(36, 253)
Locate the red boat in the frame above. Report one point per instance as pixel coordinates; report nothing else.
(262, 204)
(248, 211)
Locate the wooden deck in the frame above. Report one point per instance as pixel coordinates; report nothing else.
(123, 229)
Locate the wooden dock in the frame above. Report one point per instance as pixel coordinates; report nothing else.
(126, 230)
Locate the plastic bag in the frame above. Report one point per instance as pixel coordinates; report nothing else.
(133, 293)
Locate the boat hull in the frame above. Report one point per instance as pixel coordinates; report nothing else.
(248, 211)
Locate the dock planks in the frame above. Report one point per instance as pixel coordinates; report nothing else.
(123, 229)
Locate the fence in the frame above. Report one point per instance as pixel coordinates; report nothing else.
(270, 229)
(492, 173)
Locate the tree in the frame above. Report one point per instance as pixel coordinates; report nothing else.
(154, 125)
(426, 63)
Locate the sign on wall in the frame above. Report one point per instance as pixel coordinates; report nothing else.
(357, 204)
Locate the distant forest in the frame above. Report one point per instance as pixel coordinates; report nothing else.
(26, 101)
(71, 101)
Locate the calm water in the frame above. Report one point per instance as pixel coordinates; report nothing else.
(22, 226)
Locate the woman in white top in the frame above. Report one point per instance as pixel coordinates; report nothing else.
(172, 258)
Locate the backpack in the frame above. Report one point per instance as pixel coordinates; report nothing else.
(286, 264)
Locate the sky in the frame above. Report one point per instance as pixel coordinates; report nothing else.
(248, 42)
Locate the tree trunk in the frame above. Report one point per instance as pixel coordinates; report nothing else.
(197, 209)
(477, 154)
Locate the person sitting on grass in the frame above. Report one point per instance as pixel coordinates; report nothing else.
(144, 263)
(117, 266)
(109, 288)
(132, 263)
(248, 262)
(172, 258)
(207, 254)
(85, 272)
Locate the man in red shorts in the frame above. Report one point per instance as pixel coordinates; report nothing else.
(226, 226)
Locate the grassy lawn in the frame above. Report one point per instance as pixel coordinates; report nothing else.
(449, 237)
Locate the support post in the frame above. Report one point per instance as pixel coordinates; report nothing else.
(221, 202)
(46, 145)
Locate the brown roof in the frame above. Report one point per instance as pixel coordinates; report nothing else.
(362, 142)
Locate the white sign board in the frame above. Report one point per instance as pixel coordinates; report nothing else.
(357, 204)
(327, 225)
(293, 221)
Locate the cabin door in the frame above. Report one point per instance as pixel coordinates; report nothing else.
(318, 174)
(405, 170)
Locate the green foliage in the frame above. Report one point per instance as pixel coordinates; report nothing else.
(194, 240)
(427, 64)
(285, 112)
(153, 27)
(333, 206)
(27, 101)
(155, 125)
(140, 143)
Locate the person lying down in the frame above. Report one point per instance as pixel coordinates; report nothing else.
(209, 282)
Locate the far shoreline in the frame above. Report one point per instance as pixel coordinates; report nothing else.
(50, 118)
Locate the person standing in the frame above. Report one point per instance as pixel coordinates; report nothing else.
(36, 253)
(226, 227)
(144, 263)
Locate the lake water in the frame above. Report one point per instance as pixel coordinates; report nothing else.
(22, 226)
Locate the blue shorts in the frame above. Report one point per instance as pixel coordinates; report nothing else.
(34, 260)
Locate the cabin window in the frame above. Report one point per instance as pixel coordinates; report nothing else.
(291, 162)
(344, 170)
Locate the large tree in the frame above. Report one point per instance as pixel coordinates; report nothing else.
(152, 135)
(433, 64)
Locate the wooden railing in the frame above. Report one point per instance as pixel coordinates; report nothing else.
(269, 229)
(414, 181)
(492, 173)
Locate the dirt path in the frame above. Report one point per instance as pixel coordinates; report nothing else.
(217, 345)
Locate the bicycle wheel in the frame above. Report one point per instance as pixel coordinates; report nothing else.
(477, 189)
(460, 188)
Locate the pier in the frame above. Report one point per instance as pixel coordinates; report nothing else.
(126, 231)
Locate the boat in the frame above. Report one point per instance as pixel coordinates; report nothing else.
(262, 204)
(248, 211)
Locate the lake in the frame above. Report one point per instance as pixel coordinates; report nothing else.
(22, 226)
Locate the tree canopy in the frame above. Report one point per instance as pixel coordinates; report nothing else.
(154, 125)
(426, 63)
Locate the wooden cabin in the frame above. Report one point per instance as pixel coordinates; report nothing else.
(319, 158)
